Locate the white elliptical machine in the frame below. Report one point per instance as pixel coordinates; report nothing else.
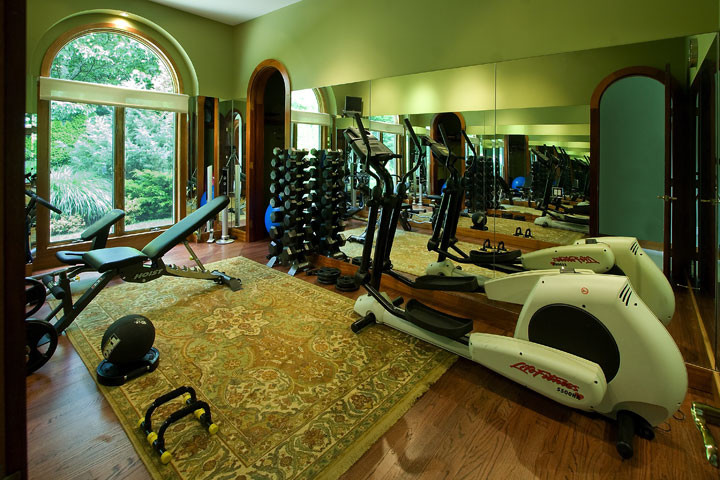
(584, 340)
(614, 255)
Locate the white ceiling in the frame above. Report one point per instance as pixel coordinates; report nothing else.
(231, 12)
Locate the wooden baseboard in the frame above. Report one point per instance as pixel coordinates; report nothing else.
(704, 379)
(496, 314)
(650, 245)
(239, 234)
(526, 217)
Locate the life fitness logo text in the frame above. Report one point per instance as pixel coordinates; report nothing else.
(565, 387)
(563, 261)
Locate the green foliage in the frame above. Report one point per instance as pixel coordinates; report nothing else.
(149, 140)
(65, 224)
(82, 135)
(149, 196)
(384, 118)
(110, 58)
(64, 135)
(304, 100)
(30, 153)
(79, 192)
(93, 149)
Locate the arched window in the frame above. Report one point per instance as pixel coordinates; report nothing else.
(305, 100)
(307, 129)
(110, 146)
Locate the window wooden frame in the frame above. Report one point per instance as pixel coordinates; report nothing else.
(136, 238)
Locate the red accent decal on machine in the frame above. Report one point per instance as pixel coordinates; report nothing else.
(534, 371)
(584, 290)
(562, 261)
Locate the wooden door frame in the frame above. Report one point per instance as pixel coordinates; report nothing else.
(637, 71)
(435, 135)
(707, 182)
(255, 210)
(13, 445)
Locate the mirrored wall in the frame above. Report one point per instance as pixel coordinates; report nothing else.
(550, 150)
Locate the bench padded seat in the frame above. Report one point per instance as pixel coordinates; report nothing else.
(105, 259)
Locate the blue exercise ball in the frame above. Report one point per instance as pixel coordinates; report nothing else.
(518, 182)
(203, 198)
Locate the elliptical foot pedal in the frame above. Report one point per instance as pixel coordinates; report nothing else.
(484, 258)
(112, 375)
(436, 321)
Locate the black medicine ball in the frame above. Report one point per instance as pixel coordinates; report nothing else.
(128, 339)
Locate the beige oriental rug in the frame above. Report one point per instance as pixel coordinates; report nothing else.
(294, 392)
(409, 253)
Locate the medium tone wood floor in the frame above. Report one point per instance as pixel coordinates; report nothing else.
(472, 423)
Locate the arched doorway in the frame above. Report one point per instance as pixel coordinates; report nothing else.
(268, 126)
(630, 158)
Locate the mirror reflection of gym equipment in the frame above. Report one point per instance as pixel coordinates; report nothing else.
(544, 209)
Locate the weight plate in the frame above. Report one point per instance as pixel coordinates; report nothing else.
(328, 275)
(346, 283)
(34, 295)
(41, 340)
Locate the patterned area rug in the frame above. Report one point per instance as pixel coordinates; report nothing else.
(410, 254)
(294, 392)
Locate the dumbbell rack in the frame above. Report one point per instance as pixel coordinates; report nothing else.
(329, 207)
(478, 181)
(292, 188)
(539, 179)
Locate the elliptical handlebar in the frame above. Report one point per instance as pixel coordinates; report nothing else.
(451, 156)
(418, 146)
(469, 143)
(413, 135)
(43, 202)
(381, 174)
(363, 134)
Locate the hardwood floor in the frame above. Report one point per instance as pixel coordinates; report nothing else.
(471, 423)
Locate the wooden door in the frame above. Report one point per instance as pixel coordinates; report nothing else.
(631, 158)
(13, 442)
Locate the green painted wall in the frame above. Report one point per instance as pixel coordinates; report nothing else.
(327, 42)
(632, 158)
(203, 48)
(571, 78)
(704, 41)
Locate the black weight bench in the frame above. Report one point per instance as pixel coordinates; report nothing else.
(98, 233)
(138, 266)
